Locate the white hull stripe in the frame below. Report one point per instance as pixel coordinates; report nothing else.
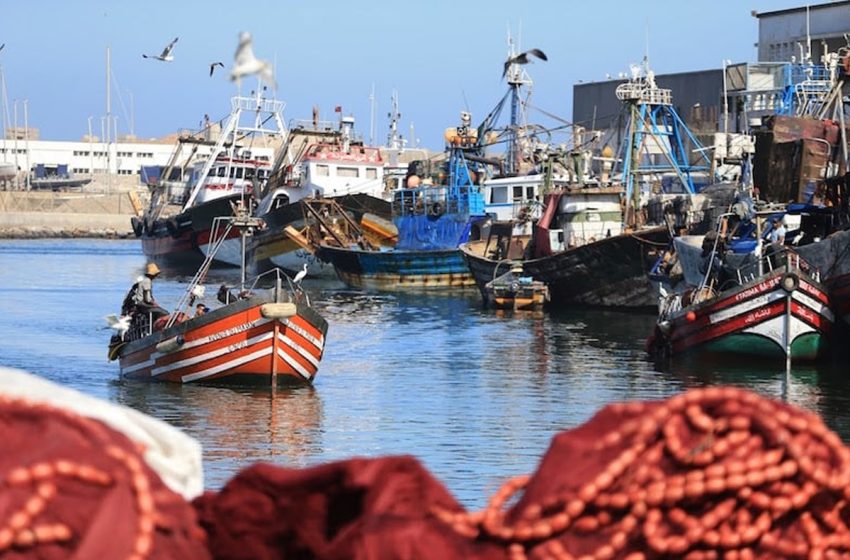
(744, 307)
(210, 355)
(227, 365)
(294, 345)
(141, 365)
(292, 362)
(151, 361)
(319, 343)
(814, 304)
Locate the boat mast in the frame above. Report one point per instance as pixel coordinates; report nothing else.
(517, 77)
(654, 129)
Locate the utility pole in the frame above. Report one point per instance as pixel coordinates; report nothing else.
(17, 167)
(27, 144)
(108, 121)
(91, 149)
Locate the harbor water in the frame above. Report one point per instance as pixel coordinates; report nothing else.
(474, 394)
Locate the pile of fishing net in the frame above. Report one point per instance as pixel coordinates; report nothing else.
(711, 473)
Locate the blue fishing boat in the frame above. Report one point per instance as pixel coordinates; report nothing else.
(432, 220)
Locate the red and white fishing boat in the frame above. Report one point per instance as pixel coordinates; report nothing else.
(261, 336)
(784, 312)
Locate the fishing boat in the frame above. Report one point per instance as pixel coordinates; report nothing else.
(513, 290)
(258, 336)
(322, 161)
(579, 250)
(432, 220)
(596, 240)
(55, 178)
(773, 307)
(212, 177)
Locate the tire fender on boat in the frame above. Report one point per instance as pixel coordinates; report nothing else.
(790, 282)
(436, 210)
(173, 227)
(278, 310)
(137, 226)
(170, 344)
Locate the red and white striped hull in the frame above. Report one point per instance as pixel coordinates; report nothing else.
(232, 344)
(760, 319)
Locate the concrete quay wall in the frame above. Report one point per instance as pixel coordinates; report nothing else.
(65, 214)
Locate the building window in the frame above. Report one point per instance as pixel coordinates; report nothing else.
(347, 171)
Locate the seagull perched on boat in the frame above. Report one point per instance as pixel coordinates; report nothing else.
(522, 58)
(213, 65)
(166, 55)
(300, 276)
(246, 64)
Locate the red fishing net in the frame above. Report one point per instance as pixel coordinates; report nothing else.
(70, 487)
(712, 473)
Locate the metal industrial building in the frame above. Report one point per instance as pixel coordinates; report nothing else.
(784, 34)
(698, 96)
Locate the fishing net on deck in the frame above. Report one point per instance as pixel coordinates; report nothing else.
(712, 473)
(71, 487)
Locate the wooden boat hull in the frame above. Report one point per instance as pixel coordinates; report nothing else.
(610, 272)
(246, 342)
(395, 270)
(760, 319)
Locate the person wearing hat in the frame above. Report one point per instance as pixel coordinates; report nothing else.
(143, 296)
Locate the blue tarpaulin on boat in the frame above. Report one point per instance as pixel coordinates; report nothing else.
(425, 233)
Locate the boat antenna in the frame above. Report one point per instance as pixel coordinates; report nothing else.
(372, 116)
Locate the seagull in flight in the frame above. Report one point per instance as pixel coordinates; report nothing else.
(246, 64)
(300, 276)
(522, 58)
(1, 46)
(213, 65)
(166, 55)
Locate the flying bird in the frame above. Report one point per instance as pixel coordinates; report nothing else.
(1, 46)
(213, 65)
(166, 55)
(300, 276)
(522, 58)
(246, 64)
(120, 324)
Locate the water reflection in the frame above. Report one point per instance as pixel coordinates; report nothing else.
(475, 394)
(236, 426)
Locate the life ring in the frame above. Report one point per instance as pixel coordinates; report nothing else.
(436, 210)
(137, 225)
(173, 227)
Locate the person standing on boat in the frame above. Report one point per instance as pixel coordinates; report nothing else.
(777, 234)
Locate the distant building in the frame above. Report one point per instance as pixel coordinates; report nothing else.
(783, 33)
(753, 89)
(697, 99)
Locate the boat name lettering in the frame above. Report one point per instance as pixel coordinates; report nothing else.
(755, 316)
(237, 346)
(749, 292)
(234, 330)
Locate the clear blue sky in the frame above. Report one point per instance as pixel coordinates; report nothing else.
(439, 55)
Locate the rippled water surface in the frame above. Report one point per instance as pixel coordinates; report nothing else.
(475, 395)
